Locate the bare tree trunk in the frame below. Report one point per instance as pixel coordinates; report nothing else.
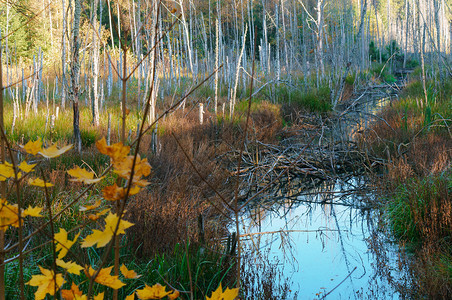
(278, 62)
(186, 35)
(217, 50)
(233, 100)
(338, 93)
(63, 58)
(319, 52)
(95, 69)
(75, 74)
(3, 183)
(405, 51)
(437, 8)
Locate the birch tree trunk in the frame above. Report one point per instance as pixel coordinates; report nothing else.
(186, 35)
(95, 68)
(338, 94)
(75, 74)
(63, 57)
(217, 50)
(319, 52)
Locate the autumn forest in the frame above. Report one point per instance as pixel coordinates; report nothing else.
(225, 149)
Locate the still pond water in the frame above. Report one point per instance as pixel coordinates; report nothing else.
(320, 240)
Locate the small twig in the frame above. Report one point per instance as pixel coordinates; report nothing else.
(349, 274)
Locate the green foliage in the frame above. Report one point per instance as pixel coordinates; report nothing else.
(20, 40)
(374, 52)
(315, 100)
(89, 137)
(208, 268)
(350, 79)
(419, 204)
(389, 78)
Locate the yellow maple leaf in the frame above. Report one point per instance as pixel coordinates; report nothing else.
(33, 212)
(129, 274)
(90, 207)
(99, 296)
(47, 283)
(53, 151)
(72, 293)
(102, 238)
(39, 182)
(6, 171)
(82, 175)
(105, 278)
(103, 212)
(134, 190)
(9, 215)
(228, 294)
(112, 220)
(24, 166)
(33, 147)
(70, 266)
(130, 297)
(62, 243)
(157, 291)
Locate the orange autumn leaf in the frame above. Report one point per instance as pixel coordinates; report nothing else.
(157, 291)
(114, 193)
(83, 176)
(174, 295)
(124, 167)
(53, 151)
(129, 274)
(105, 278)
(72, 293)
(33, 147)
(47, 283)
(140, 183)
(93, 217)
(117, 151)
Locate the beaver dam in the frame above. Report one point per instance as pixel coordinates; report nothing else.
(308, 223)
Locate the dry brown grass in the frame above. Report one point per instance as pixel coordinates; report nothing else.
(409, 148)
(168, 212)
(417, 184)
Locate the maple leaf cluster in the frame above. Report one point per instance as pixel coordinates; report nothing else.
(131, 170)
